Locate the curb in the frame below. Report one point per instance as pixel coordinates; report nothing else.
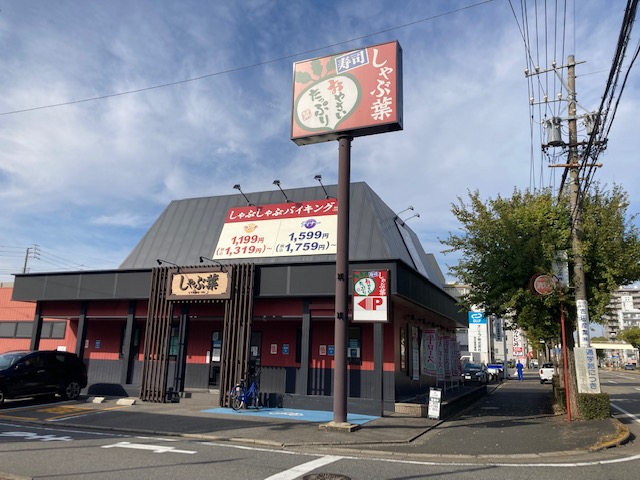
(623, 436)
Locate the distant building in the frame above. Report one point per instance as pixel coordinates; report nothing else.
(623, 311)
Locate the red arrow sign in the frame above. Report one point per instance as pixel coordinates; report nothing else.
(370, 303)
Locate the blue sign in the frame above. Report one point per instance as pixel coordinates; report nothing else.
(285, 349)
(477, 318)
(331, 350)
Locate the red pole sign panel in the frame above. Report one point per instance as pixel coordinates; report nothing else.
(371, 296)
(353, 93)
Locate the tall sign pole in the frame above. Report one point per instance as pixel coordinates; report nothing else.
(339, 97)
(342, 282)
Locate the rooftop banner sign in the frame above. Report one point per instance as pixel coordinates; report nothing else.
(354, 93)
(279, 230)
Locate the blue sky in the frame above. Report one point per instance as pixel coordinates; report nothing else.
(84, 180)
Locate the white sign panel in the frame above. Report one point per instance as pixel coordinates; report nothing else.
(279, 230)
(587, 375)
(435, 400)
(370, 296)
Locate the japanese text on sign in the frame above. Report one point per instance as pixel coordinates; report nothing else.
(305, 228)
(357, 92)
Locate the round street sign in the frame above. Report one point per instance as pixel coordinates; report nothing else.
(543, 284)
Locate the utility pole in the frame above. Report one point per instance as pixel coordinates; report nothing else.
(30, 250)
(582, 316)
(586, 376)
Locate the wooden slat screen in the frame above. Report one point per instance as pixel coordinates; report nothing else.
(236, 335)
(236, 338)
(157, 336)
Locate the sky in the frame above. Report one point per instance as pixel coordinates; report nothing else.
(111, 110)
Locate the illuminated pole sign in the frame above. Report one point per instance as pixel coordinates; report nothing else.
(370, 296)
(353, 93)
(340, 97)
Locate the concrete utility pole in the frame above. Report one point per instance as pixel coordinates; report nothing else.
(584, 338)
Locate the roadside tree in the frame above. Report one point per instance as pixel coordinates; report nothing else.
(630, 335)
(505, 242)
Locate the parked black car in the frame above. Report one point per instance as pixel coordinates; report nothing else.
(30, 373)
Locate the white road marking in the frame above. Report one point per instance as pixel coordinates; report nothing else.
(630, 415)
(144, 446)
(35, 436)
(632, 458)
(300, 470)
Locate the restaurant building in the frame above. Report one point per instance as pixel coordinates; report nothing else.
(221, 285)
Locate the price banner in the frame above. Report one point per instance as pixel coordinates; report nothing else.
(279, 230)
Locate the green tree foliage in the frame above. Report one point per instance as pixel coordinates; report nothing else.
(599, 339)
(505, 242)
(630, 335)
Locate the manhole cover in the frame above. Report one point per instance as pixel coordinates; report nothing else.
(326, 476)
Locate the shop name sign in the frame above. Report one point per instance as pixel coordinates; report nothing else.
(371, 296)
(201, 284)
(354, 93)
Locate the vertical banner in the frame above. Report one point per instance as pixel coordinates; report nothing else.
(455, 357)
(429, 351)
(415, 353)
(441, 371)
(584, 338)
(446, 344)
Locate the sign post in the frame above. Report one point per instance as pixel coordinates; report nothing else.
(340, 97)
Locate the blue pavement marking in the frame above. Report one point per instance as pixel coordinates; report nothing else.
(293, 414)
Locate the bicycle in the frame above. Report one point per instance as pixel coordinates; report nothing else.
(243, 397)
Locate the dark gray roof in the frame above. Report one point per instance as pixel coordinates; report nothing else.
(188, 229)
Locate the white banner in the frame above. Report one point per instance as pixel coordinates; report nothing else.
(587, 375)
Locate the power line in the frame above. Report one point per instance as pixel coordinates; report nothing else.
(245, 67)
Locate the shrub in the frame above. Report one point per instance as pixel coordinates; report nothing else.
(594, 406)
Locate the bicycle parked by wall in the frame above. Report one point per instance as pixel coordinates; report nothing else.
(243, 396)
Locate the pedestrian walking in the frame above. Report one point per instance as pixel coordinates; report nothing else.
(520, 368)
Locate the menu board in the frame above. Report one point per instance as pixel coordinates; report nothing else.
(279, 230)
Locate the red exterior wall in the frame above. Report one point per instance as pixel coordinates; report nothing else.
(25, 312)
(10, 310)
(278, 333)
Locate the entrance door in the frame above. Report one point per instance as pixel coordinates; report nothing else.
(214, 363)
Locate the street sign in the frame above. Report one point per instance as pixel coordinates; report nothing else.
(435, 399)
(370, 296)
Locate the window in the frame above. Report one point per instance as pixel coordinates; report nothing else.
(25, 329)
(7, 329)
(174, 342)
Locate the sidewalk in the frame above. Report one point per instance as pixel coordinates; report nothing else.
(514, 418)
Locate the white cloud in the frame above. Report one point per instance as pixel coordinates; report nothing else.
(91, 177)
